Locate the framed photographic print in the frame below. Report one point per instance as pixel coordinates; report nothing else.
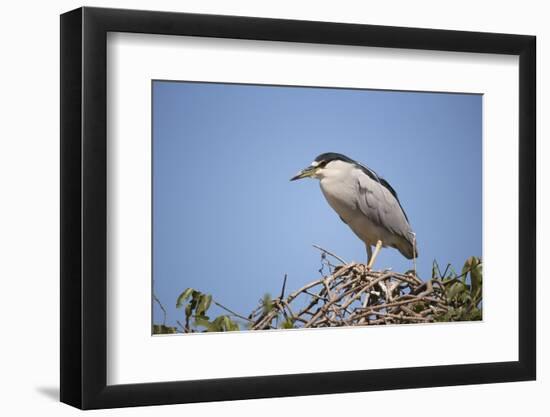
(259, 207)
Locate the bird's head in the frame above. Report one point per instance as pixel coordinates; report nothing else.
(322, 164)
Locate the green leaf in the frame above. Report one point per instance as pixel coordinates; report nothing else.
(452, 272)
(470, 266)
(234, 326)
(454, 290)
(227, 323)
(475, 314)
(162, 329)
(183, 297)
(464, 297)
(224, 324)
(267, 303)
(204, 322)
(467, 266)
(288, 324)
(203, 304)
(476, 275)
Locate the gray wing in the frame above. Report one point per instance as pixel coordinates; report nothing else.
(381, 206)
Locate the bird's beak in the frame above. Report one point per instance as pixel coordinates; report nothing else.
(304, 173)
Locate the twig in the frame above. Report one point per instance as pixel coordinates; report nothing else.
(232, 312)
(330, 253)
(161, 307)
(283, 289)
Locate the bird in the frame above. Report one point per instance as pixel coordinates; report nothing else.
(366, 202)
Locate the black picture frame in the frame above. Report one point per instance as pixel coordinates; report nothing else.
(84, 207)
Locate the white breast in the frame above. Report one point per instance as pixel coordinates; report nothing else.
(341, 189)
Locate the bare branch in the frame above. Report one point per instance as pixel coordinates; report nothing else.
(330, 253)
(232, 312)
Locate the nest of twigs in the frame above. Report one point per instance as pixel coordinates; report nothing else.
(353, 295)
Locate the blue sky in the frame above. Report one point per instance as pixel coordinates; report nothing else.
(226, 219)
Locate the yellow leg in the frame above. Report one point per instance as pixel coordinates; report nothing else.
(369, 253)
(375, 254)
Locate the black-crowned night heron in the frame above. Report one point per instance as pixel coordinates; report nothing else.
(365, 202)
